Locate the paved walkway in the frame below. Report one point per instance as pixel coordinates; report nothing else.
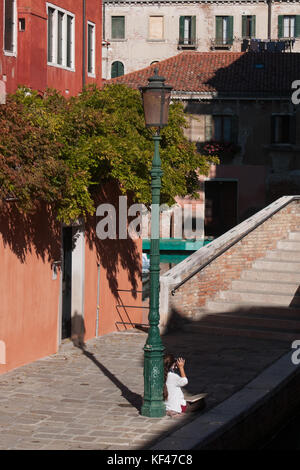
(91, 400)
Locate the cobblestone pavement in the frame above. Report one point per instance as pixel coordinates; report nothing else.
(91, 399)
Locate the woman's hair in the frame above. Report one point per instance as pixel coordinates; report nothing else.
(169, 360)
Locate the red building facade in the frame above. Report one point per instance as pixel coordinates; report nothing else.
(50, 44)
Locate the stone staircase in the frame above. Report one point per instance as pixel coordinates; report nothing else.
(264, 303)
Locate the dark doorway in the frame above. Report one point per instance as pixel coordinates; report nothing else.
(220, 207)
(67, 282)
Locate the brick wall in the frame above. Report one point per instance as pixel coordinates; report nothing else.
(219, 274)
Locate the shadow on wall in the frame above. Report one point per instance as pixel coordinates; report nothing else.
(37, 233)
(40, 234)
(115, 254)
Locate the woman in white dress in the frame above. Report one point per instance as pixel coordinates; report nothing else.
(173, 395)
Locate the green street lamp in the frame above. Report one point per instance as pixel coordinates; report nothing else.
(156, 99)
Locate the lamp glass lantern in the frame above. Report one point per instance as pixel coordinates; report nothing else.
(156, 100)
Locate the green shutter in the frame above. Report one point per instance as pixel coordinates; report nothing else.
(280, 26)
(244, 26)
(230, 30)
(253, 32)
(235, 129)
(193, 30)
(297, 26)
(118, 27)
(181, 29)
(219, 28)
(117, 69)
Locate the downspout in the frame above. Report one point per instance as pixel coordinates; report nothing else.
(269, 19)
(103, 20)
(83, 42)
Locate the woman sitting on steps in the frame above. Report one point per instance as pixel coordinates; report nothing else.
(173, 395)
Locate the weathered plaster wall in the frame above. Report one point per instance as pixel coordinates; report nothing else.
(136, 51)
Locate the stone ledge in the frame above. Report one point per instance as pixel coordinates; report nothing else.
(234, 414)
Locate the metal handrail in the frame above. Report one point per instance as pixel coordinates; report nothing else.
(231, 244)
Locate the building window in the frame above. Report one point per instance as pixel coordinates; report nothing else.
(91, 52)
(282, 129)
(187, 30)
(224, 30)
(221, 128)
(61, 34)
(248, 26)
(10, 35)
(117, 69)
(156, 28)
(118, 27)
(288, 26)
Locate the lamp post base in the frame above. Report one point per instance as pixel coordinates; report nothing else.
(153, 406)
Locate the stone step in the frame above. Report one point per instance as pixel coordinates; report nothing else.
(289, 245)
(202, 328)
(294, 235)
(219, 306)
(265, 286)
(237, 320)
(272, 265)
(260, 275)
(283, 255)
(263, 298)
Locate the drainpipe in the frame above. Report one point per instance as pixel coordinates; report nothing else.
(98, 300)
(83, 41)
(103, 20)
(269, 19)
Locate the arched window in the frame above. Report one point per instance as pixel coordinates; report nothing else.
(117, 69)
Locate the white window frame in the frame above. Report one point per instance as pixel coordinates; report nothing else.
(93, 72)
(14, 29)
(54, 62)
(289, 24)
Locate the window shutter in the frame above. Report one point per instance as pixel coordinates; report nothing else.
(208, 127)
(253, 32)
(280, 26)
(181, 29)
(117, 69)
(235, 129)
(118, 27)
(297, 26)
(244, 26)
(193, 30)
(273, 125)
(230, 30)
(293, 129)
(219, 28)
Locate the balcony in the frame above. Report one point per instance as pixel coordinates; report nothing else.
(187, 44)
(217, 44)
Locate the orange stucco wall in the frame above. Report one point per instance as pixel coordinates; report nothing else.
(29, 297)
(120, 286)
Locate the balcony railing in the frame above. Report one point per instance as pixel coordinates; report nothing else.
(187, 43)
(217, 43)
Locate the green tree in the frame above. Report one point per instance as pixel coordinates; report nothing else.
(60, 150)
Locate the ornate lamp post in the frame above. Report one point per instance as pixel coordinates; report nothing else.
(156, 100)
